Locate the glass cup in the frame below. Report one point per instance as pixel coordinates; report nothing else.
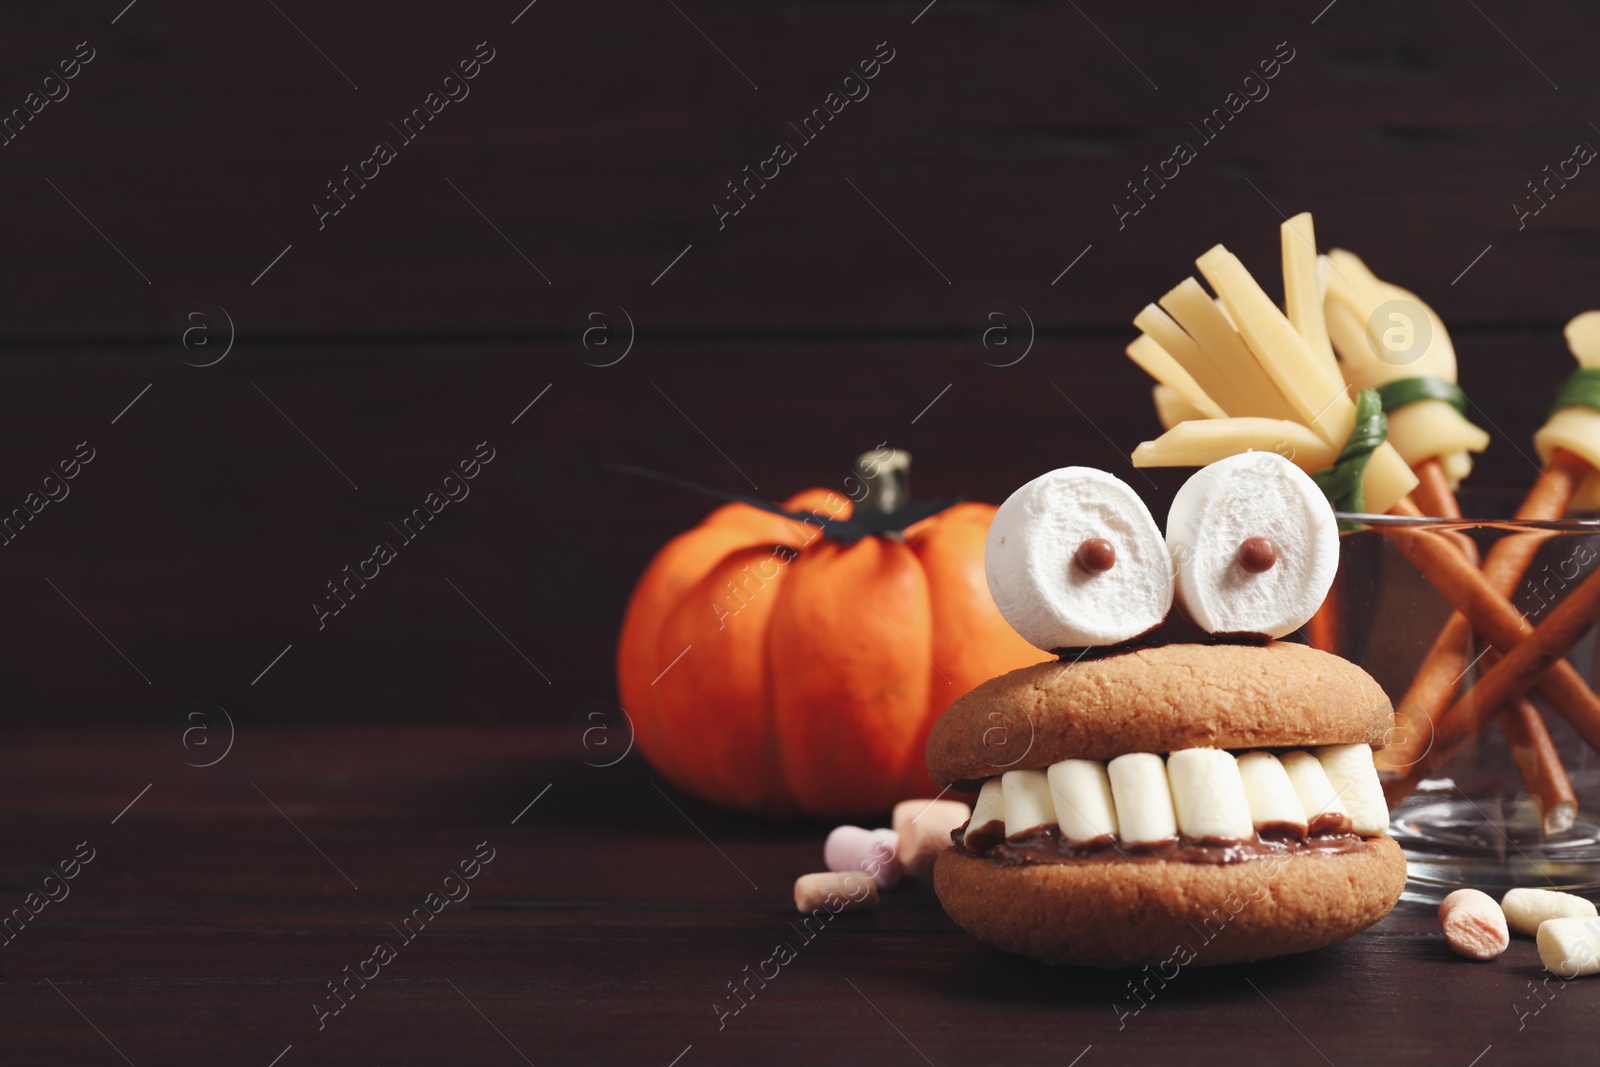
(1469, 820)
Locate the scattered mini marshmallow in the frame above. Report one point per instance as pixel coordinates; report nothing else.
(1474, 925)
(1074, 559)
(1255, 543)
(924, 828)
(876, 852)
(835, 891)
(1570, 947)
(1525, 909)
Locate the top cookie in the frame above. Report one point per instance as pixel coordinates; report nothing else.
(1158, 699)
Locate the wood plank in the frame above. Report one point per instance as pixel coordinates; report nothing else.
(996, 142)
(201, 534)
(603, 930)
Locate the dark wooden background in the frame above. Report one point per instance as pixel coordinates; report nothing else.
(807, 330)
(824, 319)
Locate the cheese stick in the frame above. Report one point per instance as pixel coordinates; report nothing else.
(1318, 400)
(1160, 365)
(1197, 444)
(1250, 390)
(1302, 291)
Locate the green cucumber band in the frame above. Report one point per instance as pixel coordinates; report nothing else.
(1341, 483)
(1402, 391)
(1582, 390)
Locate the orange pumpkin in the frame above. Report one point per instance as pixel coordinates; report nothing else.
(782, 664)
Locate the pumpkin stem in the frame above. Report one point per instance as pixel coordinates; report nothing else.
(886, 474)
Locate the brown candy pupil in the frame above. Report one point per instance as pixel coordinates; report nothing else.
(1257, 554)
(1096, 555)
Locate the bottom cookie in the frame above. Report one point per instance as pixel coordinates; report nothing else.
(1191, 914)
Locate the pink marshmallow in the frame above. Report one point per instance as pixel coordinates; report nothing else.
(924, 827)
(1474, 926)
(851, 848)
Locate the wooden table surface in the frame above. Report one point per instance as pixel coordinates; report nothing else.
(605, 929)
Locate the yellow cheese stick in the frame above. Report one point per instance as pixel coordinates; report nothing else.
(1302, 293)
(1185, 351)
(1318, 401)
(1157, 362)
(1577, 429)
(1172, 408)
(1388, 478)
(1354, 299)
(1428, 429)
(1364, 314)
(1457, 465)
(1583, 338)
(1196, 444)
(1250, 391)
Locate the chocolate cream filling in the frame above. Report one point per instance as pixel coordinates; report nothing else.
(1046, 845)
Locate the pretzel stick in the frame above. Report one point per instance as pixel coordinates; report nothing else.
(1543, 776)
(1534, 751)
(1322, 632)
(1535, 755)
(1435, 681)
(1435, 497)
(1490, 614)
(1521, 665)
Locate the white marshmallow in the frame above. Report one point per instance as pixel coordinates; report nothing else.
(1354, 776)
(1570, 947)
(1317, 794)
(1209, 795)
(1273, 801)
(990, 808)
(837, 891)
(1253, 494)
(1047, 597)
(1027, 802)
(1143, 799)
(1527, 909)
(1081, 791)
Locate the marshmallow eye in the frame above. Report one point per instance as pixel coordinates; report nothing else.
(1255, 546)
(1074, 560)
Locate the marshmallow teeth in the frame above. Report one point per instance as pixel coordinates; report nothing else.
(1143, 798)
(1196, 794)
(1318, 797)
(1026, 802)
(1209, 795)
(1074, 560)
(1081, 790)
(1273, 802)
(988, 814)
(1255, 544)
(1354, 778)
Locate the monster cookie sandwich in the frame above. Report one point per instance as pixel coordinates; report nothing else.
(1193, 803)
